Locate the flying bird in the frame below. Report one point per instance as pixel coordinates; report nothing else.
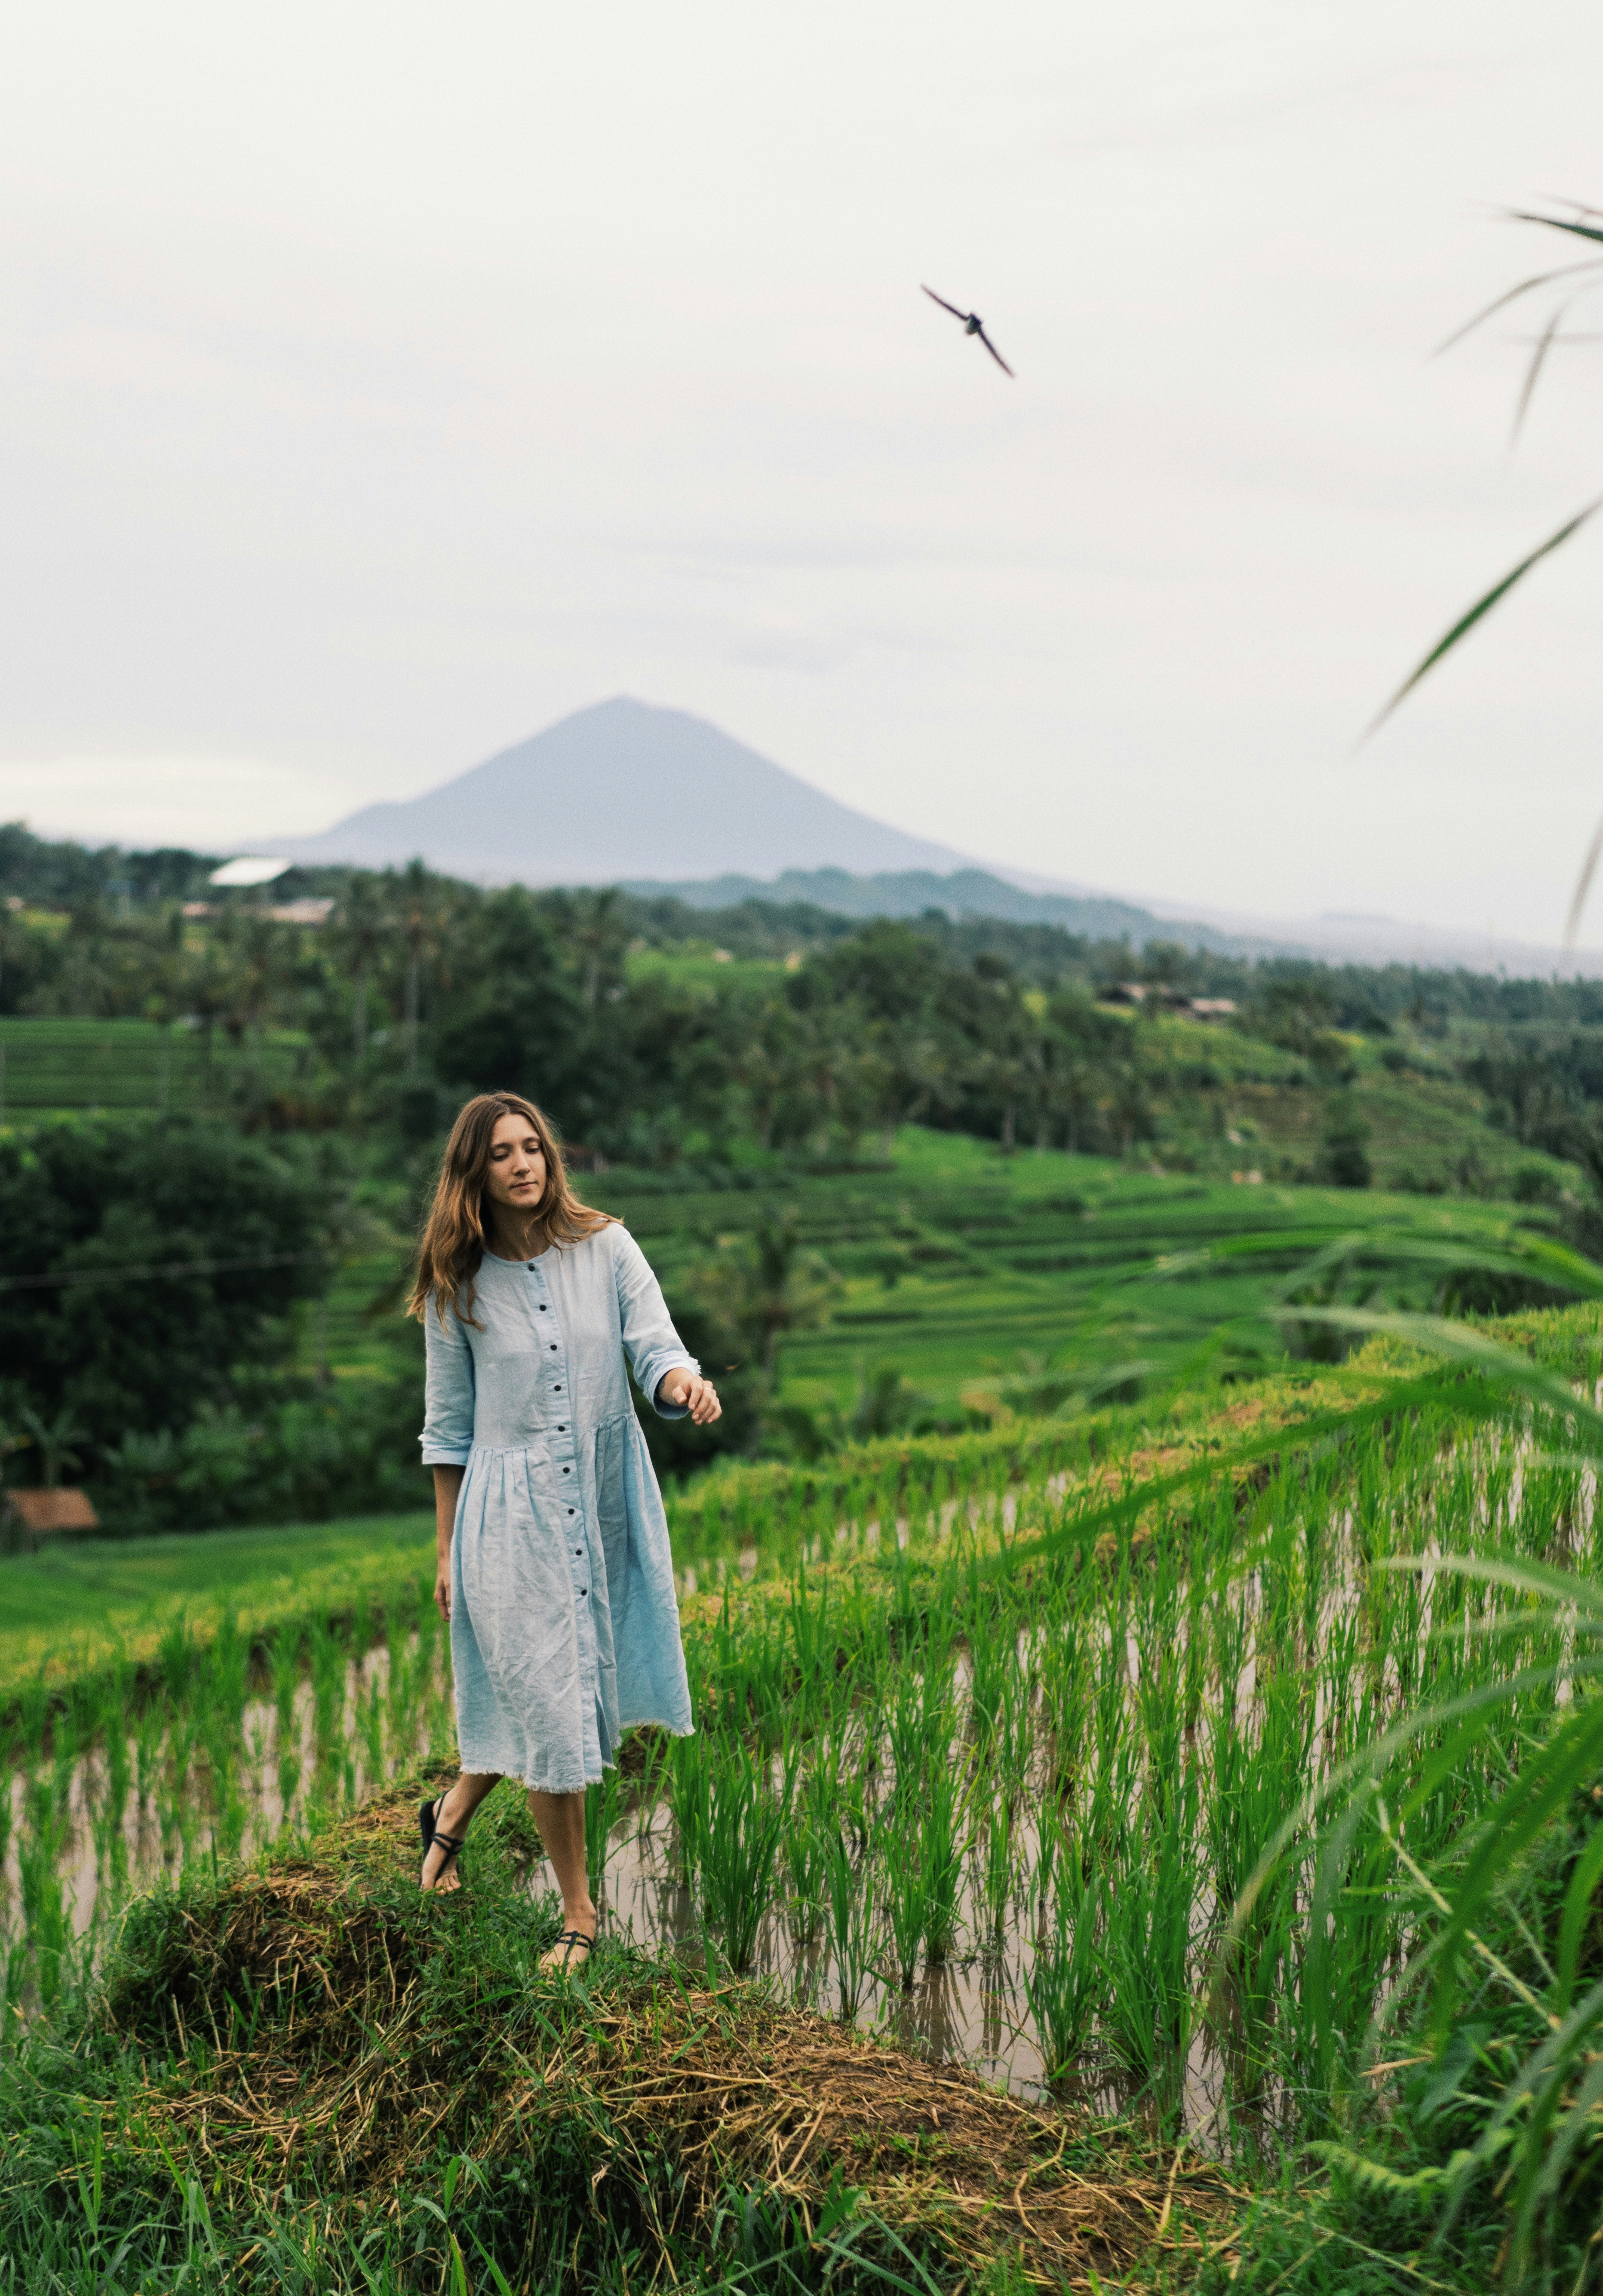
(973, 324)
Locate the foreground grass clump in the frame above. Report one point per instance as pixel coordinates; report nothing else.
(310, 2076)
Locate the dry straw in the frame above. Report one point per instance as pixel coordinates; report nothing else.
(349, 2082)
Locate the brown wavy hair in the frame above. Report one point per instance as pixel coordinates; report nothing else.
(456, 1234)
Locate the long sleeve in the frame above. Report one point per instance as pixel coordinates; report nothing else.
(447, 1427)
(652, 1346)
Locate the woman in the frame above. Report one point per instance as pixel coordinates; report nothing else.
(554, 1566)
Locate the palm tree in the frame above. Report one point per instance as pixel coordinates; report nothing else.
(598, 933)
(768, 1283)
(357, 930)
(423, 915)
(54, 1439)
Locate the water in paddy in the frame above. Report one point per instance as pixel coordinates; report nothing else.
(969, 2008)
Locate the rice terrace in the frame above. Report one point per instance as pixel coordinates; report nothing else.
(1139, 1830)
(823, 1528)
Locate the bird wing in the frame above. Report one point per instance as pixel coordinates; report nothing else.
(995, 353)
(943, 303)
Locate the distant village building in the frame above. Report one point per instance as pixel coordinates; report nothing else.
(1175, 1000)
(250, 869)
(31, 1516)
(309, 911)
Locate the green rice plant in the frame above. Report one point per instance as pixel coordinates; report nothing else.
(372, 1716)
(397, 1688)
(603, 1799)
(228, 1665)
(67, 1750)
(283, 1667)
(987, 1667)
(815, 1644)
(177, 1811)
(328, 1666)
(33, 1720)
(744, 1824)
(47, 1921)
(941, 1861)
(229, 1809)
(805, 1858)
(1252, 1781)
(175, 1655)
(1065, 1704)
(110, 1841)
(750, 1675)
(1339, 1955)
(648, 1785)
(850, 1908)
(688, 1796)
(1145, 1949)
(1014, 1739)
(995, 1875)
(905, 1727)
(1064, 1982)
(285, 1648)
(904, 1885)
(149, 1730)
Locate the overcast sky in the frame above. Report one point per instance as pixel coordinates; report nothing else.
(378, 385)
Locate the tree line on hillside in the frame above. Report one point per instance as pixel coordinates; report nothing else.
(419, 986)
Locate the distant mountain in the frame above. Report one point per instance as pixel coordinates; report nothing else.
(621, 791)
(664, 803)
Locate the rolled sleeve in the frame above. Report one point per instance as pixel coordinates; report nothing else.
(448, 1426)
(652, 1346)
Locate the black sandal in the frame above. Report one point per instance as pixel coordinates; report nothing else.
(570, 1938)
(433, 1839)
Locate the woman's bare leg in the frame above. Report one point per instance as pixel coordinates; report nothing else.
(456, 1808)
(560, 1819)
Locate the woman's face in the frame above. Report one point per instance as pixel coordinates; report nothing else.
(517, 1165)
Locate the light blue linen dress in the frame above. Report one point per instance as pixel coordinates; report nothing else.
(564, 1621)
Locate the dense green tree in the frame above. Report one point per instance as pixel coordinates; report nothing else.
(143, 1264)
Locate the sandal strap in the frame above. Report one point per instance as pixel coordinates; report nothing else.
(571, 1938)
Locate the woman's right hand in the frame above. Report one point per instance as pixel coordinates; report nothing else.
(448, 1491)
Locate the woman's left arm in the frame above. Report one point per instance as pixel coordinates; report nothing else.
(663, 1365)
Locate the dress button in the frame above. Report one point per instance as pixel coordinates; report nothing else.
(561, 1429)
(542, 1306)
(567, 1471)
(556, 1390)
(554, 1347)
(569, 1509)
